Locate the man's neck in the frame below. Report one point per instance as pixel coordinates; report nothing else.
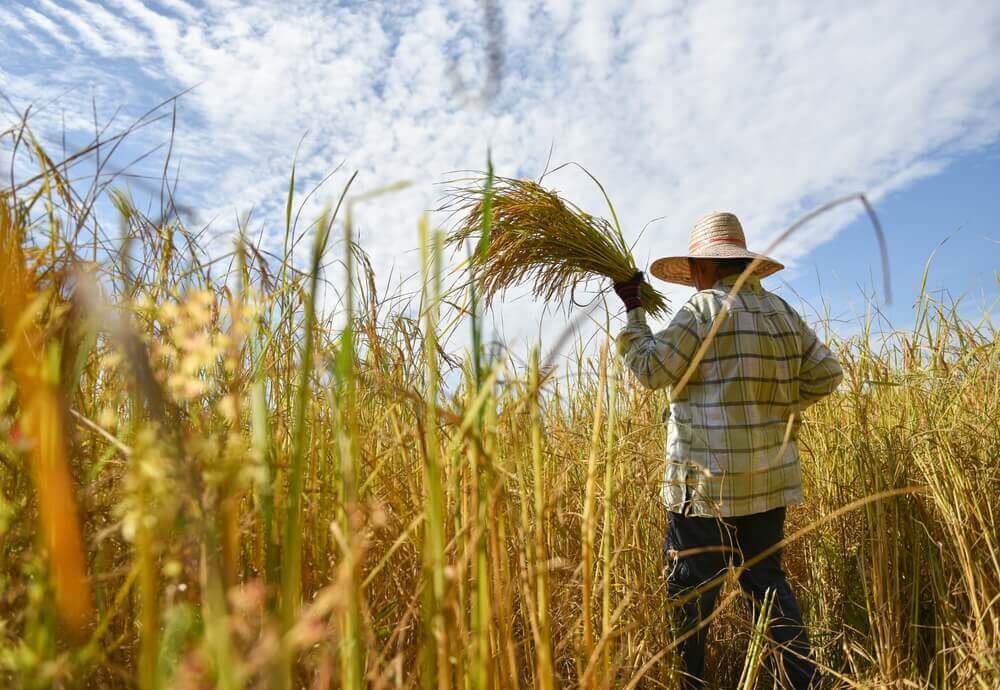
(752, 282)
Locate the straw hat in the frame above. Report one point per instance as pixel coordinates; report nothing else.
(716, 236)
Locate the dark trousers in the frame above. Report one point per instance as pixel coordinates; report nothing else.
(734, 541)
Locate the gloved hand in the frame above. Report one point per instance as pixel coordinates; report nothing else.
(628, 291)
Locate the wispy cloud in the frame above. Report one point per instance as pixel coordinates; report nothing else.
(678, 108)
(127, 42)
(90, 38)
(47, 26)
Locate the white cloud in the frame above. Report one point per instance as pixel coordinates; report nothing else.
(47, 26)
(89, 38)
(678, 108)
(127, 41)
(12, 22)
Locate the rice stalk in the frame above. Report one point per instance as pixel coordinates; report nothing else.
(481, 613)
(544, 670)
(607, 531)
(435, 666)
(537, 238)
(35, 365)
(755, 649)
(291, 566)
(588, 524)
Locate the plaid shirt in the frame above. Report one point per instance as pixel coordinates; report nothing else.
(726, 450)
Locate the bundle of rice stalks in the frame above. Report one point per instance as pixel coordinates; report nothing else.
(535, 236)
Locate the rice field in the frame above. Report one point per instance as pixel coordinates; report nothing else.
(207, 481)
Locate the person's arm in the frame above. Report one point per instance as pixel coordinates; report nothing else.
(819, 371)
(659, 360)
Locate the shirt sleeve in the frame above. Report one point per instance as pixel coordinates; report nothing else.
(659, 360)
(820, 372)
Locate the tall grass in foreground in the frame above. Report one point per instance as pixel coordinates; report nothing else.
(502, 531)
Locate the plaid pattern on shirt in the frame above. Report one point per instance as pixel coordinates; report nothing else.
(726, 454)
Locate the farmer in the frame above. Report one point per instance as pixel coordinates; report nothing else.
(732, 459)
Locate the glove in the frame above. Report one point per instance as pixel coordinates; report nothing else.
(628, 291)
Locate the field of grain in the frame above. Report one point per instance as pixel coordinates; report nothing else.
(206, 481)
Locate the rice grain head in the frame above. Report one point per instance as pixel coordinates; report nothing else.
(537, 237)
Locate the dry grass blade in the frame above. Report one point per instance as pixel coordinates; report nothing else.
(537, 237)
(42, 419)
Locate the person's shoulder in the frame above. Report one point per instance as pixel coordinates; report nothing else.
(705, 304)
(780, 306)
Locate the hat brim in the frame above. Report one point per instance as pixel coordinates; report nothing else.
(677, 269)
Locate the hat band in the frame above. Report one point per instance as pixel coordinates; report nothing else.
(695, 246)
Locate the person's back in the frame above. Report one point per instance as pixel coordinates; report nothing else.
(732, 429)
(732, 463)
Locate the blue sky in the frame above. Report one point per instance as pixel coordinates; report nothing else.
(952, 215)
(678, 108)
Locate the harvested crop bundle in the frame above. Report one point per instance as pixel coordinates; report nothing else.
(535, 236)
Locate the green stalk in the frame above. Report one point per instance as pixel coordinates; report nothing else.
(482, 250)
(261, 435)
(291, 565)
(352, 665)
(435, 665)
(755, 648)
(149, 593)
(216, 620)
(286, 258)
(264, 447)
(481, 610)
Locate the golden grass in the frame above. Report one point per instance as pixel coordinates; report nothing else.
(34, 365)
(503, 530)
